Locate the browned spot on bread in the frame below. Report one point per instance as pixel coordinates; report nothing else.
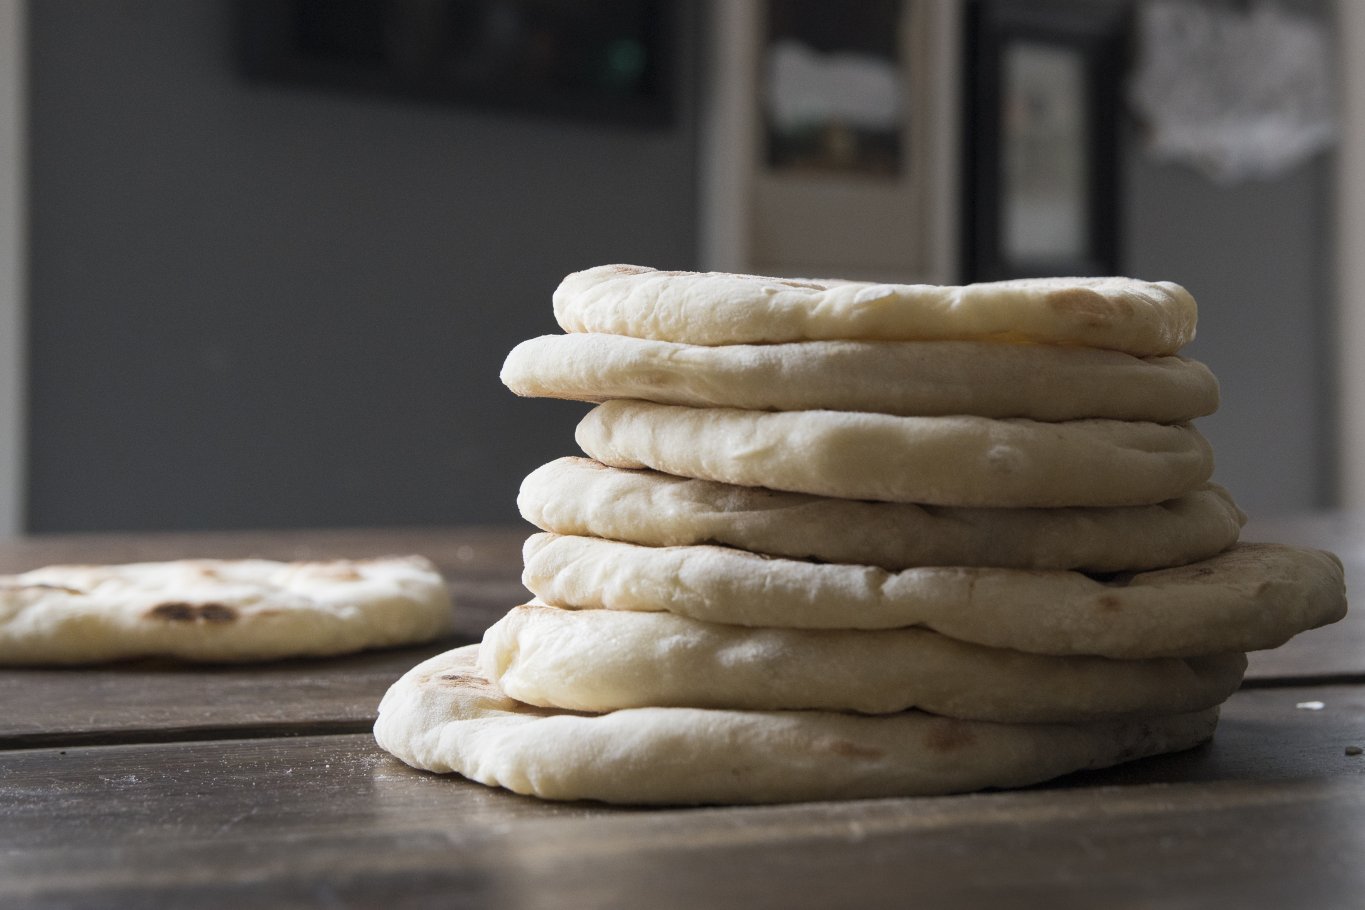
(803, 284)
(464, 679)
(178, 611)
(853, 750)
(1093, 308)
(1109, 603)
(949, 736)
(343, 573)
(217, 613)
(628, 270)
(173, 612)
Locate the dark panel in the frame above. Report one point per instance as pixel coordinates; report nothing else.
(254, 306)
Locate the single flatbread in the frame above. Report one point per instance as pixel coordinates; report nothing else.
(604, 660)
(443, 716)
(219, 610)
(1142, 318)
(907, 378)
(579, 496)
(1251, 597)
(944, 461)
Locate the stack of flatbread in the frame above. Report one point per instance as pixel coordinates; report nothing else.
(842, 540)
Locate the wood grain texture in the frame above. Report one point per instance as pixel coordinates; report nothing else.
(1271, 814)
(159, 701)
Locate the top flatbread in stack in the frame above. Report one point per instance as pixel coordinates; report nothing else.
(1142, 318)
(840, 539)
(219, 610)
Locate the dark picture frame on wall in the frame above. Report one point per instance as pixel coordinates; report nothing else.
(609, 61)
(1043, 87)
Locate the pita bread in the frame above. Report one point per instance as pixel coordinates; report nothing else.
(1251, 597)
(604, 660)
(219, 610)
(943, 461)
(1122, 314)
(908, 378)
(443, 716)
(579, 496)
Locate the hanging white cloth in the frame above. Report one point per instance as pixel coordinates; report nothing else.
(1240, 93)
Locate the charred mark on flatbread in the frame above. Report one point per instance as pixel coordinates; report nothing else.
(949, 736)
(1092, 307)
(217, 613)
(464, 679)
(853, 750)
(179, 611)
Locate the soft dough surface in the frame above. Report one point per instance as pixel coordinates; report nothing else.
(444, 716)
(603, 660)
(712, 308)
(219, 610)
(945, 461)
(1251, 597)
(582, 497)
(907, 378)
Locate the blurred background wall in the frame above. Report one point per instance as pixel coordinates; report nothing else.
(255, 305)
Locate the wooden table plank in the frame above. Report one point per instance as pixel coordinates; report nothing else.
(148, 701)
(1271, 814)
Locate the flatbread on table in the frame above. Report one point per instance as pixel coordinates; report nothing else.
(1142, 318)
(443, 716)
(1251, 597)
(603, 660)
(945, 461)
(579, 496)
(219, 610)
(906, 378)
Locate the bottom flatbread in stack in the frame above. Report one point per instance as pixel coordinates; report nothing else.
(444, 716)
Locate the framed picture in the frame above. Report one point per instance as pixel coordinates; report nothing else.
(833, 97)
(829, 143)
(1043, 87)
(609, 60)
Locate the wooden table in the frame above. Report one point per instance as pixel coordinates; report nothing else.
(156, 784)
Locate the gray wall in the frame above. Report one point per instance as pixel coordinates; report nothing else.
(263, 307)
(260, 307)
(1255, 256)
